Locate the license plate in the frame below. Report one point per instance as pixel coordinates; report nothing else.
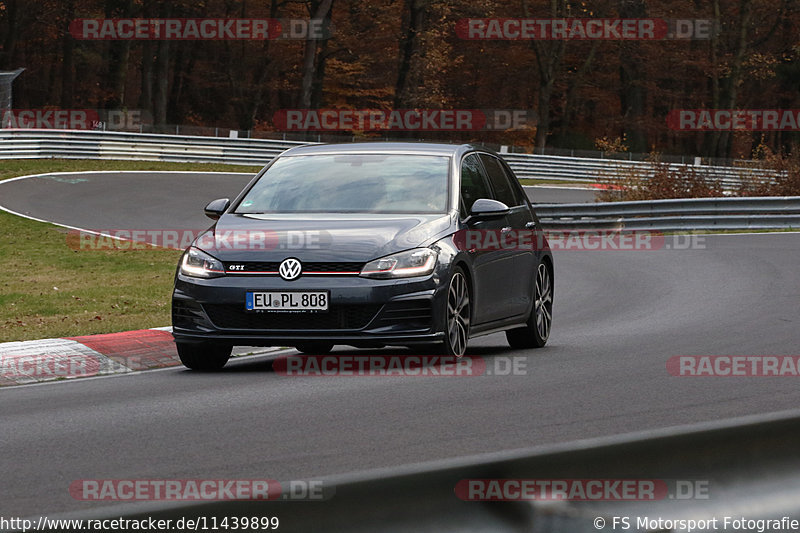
(287, 301)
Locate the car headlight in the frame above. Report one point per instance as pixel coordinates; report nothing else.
(417, 262)
(198, 264)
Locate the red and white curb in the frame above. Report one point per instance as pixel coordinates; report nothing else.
(91, 355)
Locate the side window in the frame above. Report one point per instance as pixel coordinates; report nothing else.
(503, 189)
(473, 182)
(516, 187)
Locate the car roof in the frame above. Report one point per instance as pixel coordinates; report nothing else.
(383, 147)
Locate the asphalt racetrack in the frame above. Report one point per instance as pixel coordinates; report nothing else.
(618, 318)
(157, 200)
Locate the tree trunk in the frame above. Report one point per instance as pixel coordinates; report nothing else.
(712, 139)
(261, 78)
(632, 78)
(67, 67)
(319, 75)
(10, 40)
(146, 92)
(548, 59)
(415, 13)
(310, 56)
(148, 48)
(118, 56)
(745, 12)
(571, 101)
(161, 95)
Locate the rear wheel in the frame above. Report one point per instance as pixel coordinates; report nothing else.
(314, 347)
(204, 357)
(537, 330)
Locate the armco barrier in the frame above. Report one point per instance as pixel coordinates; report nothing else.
(744, 468)
(32, 144)
(29, 144)
(600, 170)
(758, 213)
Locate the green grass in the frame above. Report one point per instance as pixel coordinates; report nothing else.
(48, 289)
(22, 167)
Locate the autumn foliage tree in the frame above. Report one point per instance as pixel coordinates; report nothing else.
(407, 54)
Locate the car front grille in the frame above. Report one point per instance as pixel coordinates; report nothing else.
(315, 268)
(338, 317)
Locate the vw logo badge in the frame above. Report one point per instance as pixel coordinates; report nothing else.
(290, 269)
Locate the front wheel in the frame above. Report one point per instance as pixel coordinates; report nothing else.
(537, 330)
(457, 315)
(314, 347)
(204, 357)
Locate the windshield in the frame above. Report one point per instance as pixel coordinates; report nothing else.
(352, 183)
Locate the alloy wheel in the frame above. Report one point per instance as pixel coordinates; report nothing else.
(543, 305)
(458, 311)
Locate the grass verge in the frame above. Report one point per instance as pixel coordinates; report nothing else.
(23, 167)
(50, 290)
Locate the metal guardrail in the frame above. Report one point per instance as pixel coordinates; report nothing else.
(604, 170)
(29, 144)
(743, 468)
(34, 144)
(663, 215)
(780, 212)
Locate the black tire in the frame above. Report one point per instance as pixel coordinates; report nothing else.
(537, 330)
(314, 347)
(457, 316)
(204, 357)
(426, 349)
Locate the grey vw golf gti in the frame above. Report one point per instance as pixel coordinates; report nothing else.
(367, 245)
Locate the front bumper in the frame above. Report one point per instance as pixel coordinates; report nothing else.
(362, 312)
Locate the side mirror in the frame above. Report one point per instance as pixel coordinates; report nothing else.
(486, 208)
(215, 209)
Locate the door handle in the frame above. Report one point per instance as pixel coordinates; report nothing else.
(530, 225)
(506, 229)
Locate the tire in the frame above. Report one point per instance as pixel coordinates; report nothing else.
(204, 357)
(431, 348)
(537, 330)
(314, 347)
(457, 313)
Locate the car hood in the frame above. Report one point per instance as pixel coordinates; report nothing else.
(345, 238)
